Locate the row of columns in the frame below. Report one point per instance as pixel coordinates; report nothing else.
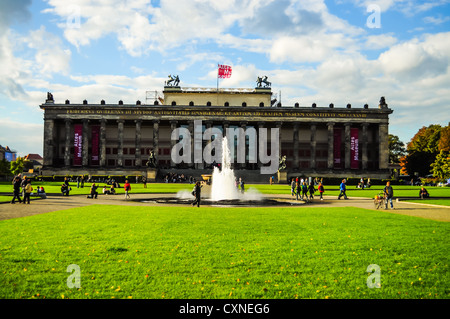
(49, 147)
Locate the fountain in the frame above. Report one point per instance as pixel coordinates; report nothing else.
(223, 180)
(223, 190)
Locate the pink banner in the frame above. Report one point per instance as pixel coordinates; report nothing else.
(78, 145)
(354, 148)
(337, 148)
(95, 138)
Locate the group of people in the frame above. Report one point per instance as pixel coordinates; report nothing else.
(22, 187)
(240, 184)
(305, 190)
(178, 178)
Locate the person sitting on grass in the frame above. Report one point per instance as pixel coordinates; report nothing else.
(105, 191)
(423, 193)
(112, 190)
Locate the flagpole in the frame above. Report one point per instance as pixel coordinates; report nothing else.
(217, 85)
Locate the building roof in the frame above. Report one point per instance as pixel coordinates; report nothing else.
(32, 157)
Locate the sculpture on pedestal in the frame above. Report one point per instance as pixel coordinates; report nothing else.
(173, 81)
(263, 81)
(152, 160)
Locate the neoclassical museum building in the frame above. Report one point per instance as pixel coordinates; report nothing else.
(117, 139)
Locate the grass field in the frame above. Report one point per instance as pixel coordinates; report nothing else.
(185, 252)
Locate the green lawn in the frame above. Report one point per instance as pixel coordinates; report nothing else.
(186, 252)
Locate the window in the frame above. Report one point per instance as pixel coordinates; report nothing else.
(208, 103)
(244, 104)
(191, 103)
(174, 103)
(261, 104)
(227, 104)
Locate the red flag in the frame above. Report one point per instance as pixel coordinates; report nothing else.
(224, 71)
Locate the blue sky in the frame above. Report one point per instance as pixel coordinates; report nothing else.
(313, 51)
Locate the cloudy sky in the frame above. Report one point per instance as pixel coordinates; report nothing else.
(313, 51)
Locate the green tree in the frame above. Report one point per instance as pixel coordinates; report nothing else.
(422, 150)
(17, 166)
(441, 167)
(4, 167)
(396, 149)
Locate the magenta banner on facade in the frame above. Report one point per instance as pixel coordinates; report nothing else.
(78, 145)
(337, 148)
(354, 148)
(95, 138)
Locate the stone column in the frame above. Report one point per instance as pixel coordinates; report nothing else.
(260, 126)
(226, 124)
(191, 131)
(330, 145)
(173, 126)
(296, 147)
(156, 140)
(313, 146)
(120, 124)
(242, 139)
(347, 146)
(102, 143)
(85, 147)
(365, 141)
(383, 132)
(278, 126)
(49, 142)
(137, 153)
(68, 130)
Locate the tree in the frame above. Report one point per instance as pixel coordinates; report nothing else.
(4, 167)
(422, 151)
(441, 166)
(17, 166)
(396, 149)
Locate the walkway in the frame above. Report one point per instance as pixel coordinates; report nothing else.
(57, 203)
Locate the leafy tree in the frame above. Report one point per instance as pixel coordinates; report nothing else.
(4, 167)
(396, 149)
(444, 141)
(422, 151)
(17, 166)
(441, 167)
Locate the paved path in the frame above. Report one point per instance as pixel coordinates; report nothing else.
(57, 203)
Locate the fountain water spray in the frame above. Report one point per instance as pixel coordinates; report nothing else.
(224, 181)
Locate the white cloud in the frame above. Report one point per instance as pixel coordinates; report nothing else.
(25, 138)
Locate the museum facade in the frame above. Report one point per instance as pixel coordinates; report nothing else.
(117, 139)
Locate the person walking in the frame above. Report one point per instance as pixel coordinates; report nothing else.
(16, 190)
(298, 188)
(304, 191)
(321, 190)
(127, 188)
(144, 181)
(311, 190)
(343, 190)
(197, 193)
(293, 187)
(388, 192)
(28, 190)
